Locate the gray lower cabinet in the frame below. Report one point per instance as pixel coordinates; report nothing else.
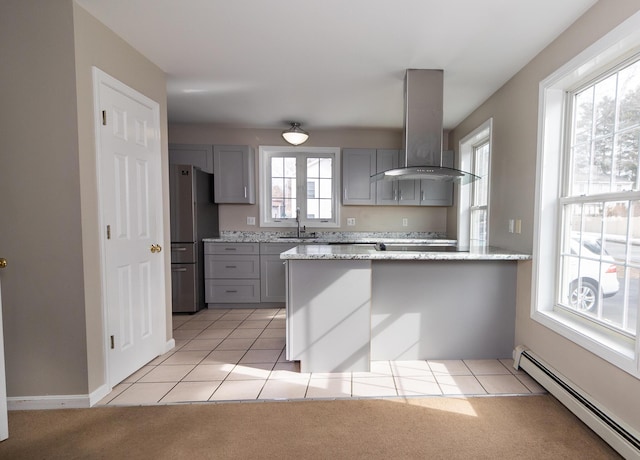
(232, 272)
(241, 273)
(272, 271)
(192, 154)
(234, 174)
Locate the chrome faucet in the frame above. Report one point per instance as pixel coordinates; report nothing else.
(304, 227)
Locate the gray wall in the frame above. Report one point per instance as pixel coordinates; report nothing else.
(368, 218)
(514, 109)
(96, 45)
(48, 191)
(40, 236)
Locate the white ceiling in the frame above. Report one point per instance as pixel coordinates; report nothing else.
(330, 63)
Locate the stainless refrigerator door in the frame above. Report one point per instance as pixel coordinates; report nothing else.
(183, 253)
(184, 288)
(182, 202)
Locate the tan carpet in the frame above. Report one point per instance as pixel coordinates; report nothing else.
(529, 427)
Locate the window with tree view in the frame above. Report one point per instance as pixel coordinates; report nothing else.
(299, 184)
(599, 262)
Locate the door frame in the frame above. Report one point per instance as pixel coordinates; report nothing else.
(100, 77)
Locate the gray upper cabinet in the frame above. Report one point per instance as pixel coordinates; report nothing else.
(386, 190)
(197, 155)
(358, 165)
(401, 192)
(438, 193)
(234, 174)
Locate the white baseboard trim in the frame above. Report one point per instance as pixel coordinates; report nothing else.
(67, 401)
(98, 394)
(48, 402)
(170, 345)
(620, 436)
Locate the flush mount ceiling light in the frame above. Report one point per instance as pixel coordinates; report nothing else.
(295, 135)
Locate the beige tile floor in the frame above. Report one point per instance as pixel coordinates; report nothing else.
(238, 355)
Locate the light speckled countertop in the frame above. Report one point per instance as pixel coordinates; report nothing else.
(368, 252)
(331, 237)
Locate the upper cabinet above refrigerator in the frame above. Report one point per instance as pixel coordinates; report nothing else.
(200, 156)
(234, 167)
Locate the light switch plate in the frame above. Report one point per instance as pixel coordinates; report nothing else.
(405, 222)
(351, 221)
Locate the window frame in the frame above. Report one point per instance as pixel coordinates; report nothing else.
(480, 135)
(552, 173)
(265, 153)
(473, 208)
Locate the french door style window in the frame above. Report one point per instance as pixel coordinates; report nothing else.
(299, 183)
(599, 256)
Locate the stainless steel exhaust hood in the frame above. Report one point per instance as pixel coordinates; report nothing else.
(421, 157)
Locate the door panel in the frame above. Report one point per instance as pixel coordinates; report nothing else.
(4, 421)
(131, 206)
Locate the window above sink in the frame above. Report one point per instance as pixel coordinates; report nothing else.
(305, 178)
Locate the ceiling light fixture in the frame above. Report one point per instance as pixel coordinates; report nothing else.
(295, 135)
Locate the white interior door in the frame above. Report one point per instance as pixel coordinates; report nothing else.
(4, 422)
(131, 213)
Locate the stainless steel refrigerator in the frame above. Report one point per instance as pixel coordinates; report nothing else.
(194, 216)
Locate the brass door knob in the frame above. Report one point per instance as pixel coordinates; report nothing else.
(3, 262)
(155, 248)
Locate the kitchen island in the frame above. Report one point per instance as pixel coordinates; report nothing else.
(348, 305)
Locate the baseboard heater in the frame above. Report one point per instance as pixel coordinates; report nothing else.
(618, 436)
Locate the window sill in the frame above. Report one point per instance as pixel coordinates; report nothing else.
(614, 349)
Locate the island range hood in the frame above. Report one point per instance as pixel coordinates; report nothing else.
(421, 156)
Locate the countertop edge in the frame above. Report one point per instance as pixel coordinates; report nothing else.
(354, 252)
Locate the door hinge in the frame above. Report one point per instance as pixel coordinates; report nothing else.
(113, 342)
(108, 232)
(104, 118)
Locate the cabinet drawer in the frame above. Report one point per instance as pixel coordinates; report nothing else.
(232, 291)
(232, 248)
(232, 267)
(276, 248)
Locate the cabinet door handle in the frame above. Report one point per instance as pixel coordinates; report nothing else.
(422, 195)
(178, 249)
(245, 192)
(230, 249)
(230, 291)
(178, 269)
(230, 266)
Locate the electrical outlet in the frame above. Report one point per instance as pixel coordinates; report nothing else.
(518, 225)
(405, 222)
(511, 226)
(251, 220)
(351, 221)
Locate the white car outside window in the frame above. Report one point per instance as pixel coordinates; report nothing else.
(594, 274)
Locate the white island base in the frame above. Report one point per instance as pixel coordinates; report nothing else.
(329, 314)
(342, 314)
